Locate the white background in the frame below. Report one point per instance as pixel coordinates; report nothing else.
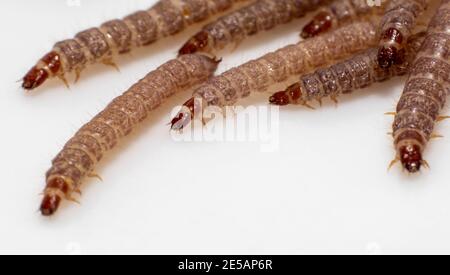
(325, 190)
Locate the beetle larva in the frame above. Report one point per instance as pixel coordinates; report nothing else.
(345, 77)
(397, 25)
(425, 93)
(80, 155)
(101, 44)
(235, 27)
(276, 67)
(336, 14)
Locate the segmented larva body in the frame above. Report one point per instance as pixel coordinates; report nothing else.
(260, 16)
(276, 67)
(114, 37)
(345, 77)
(425, 93)
(338, 13)
(396, 27)
(80, 155)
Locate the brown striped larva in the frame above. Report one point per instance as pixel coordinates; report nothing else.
(165, 18)
(260, 16)
(258, 75)
(425, 93)
(80, 155)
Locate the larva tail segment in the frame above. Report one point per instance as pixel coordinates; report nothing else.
(48, 66)
(397, 24)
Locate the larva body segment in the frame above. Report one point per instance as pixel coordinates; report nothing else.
(345, 77)
(336, 14)
(258, 75)
(425, 93)
(100, 45)
(80, 155)
(260, 16)
(396, 27)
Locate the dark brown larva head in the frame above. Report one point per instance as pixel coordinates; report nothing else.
(195, 44)
(37, 75)
(34, 78)
(52, 198)
(280, 99)
(185, 116)
(387, 56)
(50, 204)
(321, 23)
(291, 95)
(411, 158)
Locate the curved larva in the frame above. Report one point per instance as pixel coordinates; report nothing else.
(114, 37)
(338, 13)
(260, 16)
(396, 27)
(80, 155)
(345, 77)
(425, 93)
(276, 67)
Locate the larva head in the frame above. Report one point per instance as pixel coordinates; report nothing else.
(50, 205)
(321, 23)
(185, 115)
(291, 95)
(34, 78)
(197, 43)
(56, 188)
(389, 54)
(49, 64)
(411, 157)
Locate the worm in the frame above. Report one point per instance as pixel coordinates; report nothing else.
(81, 154)
(336, 14)
(425, 93)
(102, 44)
(276, 67)
(355, 73)
(396, 26)
(260, 16)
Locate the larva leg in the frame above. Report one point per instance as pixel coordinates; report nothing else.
(276, 67)
(80, 155)
(345, 77)
(396, 26)
(336, 14)
(425, 93)
(142, 28)
(260, 16)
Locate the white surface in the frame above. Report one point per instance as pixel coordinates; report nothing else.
(326, 190)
